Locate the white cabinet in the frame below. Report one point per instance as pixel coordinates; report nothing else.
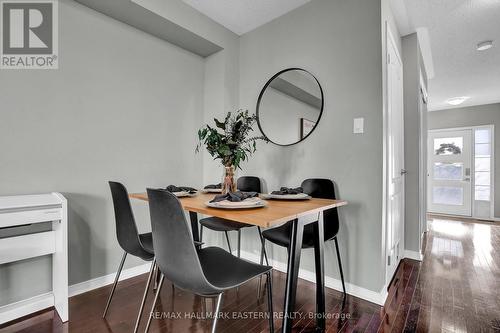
(21, 210)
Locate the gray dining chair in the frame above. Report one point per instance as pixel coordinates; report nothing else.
(316, 188)
(133, 243)
(207, 272)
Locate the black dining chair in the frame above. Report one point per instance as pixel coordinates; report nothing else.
(207, 272)
(244, 184)
(316, 188)
(133, 243)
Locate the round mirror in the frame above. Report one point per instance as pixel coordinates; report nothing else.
(290, 106)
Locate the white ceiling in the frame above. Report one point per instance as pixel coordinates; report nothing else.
(241, 16)
(455, 27)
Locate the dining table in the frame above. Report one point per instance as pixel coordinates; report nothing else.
(276, 212)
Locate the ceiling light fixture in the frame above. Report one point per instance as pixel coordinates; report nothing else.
(457, 100)
(485, 45)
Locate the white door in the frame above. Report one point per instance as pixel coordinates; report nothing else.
(395, 108)
(449, 172)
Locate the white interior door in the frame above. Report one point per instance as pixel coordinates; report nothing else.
(449, 172)
(395, 108)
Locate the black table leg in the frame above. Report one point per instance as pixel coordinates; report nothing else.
(294, 250)
(193, 216)
(319, 242)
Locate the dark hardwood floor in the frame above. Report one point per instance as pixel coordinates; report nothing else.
(455, 289)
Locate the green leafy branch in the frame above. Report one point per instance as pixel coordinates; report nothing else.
(230, 139)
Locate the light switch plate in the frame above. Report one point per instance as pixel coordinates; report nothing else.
(359, 126)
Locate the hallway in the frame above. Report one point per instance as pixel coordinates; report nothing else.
(457, 289)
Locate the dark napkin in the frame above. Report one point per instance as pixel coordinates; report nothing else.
(235, 196)
(213, 186)
(286, 190)
(173, 189)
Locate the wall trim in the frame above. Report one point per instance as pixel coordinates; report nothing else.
(83, 287)
(415, 255)
(352, 289)
(24, 307)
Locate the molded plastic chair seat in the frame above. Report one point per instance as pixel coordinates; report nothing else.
(133, 243)
(147, 242)
(215, 260)
(218, 224)
(281, 235)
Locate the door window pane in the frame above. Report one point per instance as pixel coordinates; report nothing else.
(447, 195)
(482, 193)
(483, 149)
(483, 164)
(448, 171)
(483, 178)
(482, 135)
(448, 146)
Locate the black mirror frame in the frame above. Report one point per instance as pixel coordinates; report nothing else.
(262, 94)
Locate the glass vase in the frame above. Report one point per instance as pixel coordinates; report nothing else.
(229, 179)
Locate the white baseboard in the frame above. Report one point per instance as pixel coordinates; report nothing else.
(415, 255)
(25, 307)
(16, 310)
(354, 290)
(102, 281)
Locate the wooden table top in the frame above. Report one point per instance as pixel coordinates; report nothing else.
(276, 212)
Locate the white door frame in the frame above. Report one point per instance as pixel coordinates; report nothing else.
(473, 166)
(422, 164)
(389, 39)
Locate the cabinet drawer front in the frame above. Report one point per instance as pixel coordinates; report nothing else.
(14, 218)
(27, 246)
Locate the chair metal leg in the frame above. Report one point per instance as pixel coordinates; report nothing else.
(263, 241)
(201, 233)
(239, 243)
(203, 305)
(114, 284)
(141, 309)
(217, 311)
(269, 280)
(228, 243)
(150, 317)
(340, 265)
(156, 277)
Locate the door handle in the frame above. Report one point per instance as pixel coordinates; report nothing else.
(403, 172)
(467, 179)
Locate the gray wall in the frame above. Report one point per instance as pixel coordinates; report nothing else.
(414, 125)
(124, 106)
(120, 96)
(473, 116)
(345, 55)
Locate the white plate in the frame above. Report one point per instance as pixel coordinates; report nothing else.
(183, 194)
(211, 190)
(248, 203)
(300, 196)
